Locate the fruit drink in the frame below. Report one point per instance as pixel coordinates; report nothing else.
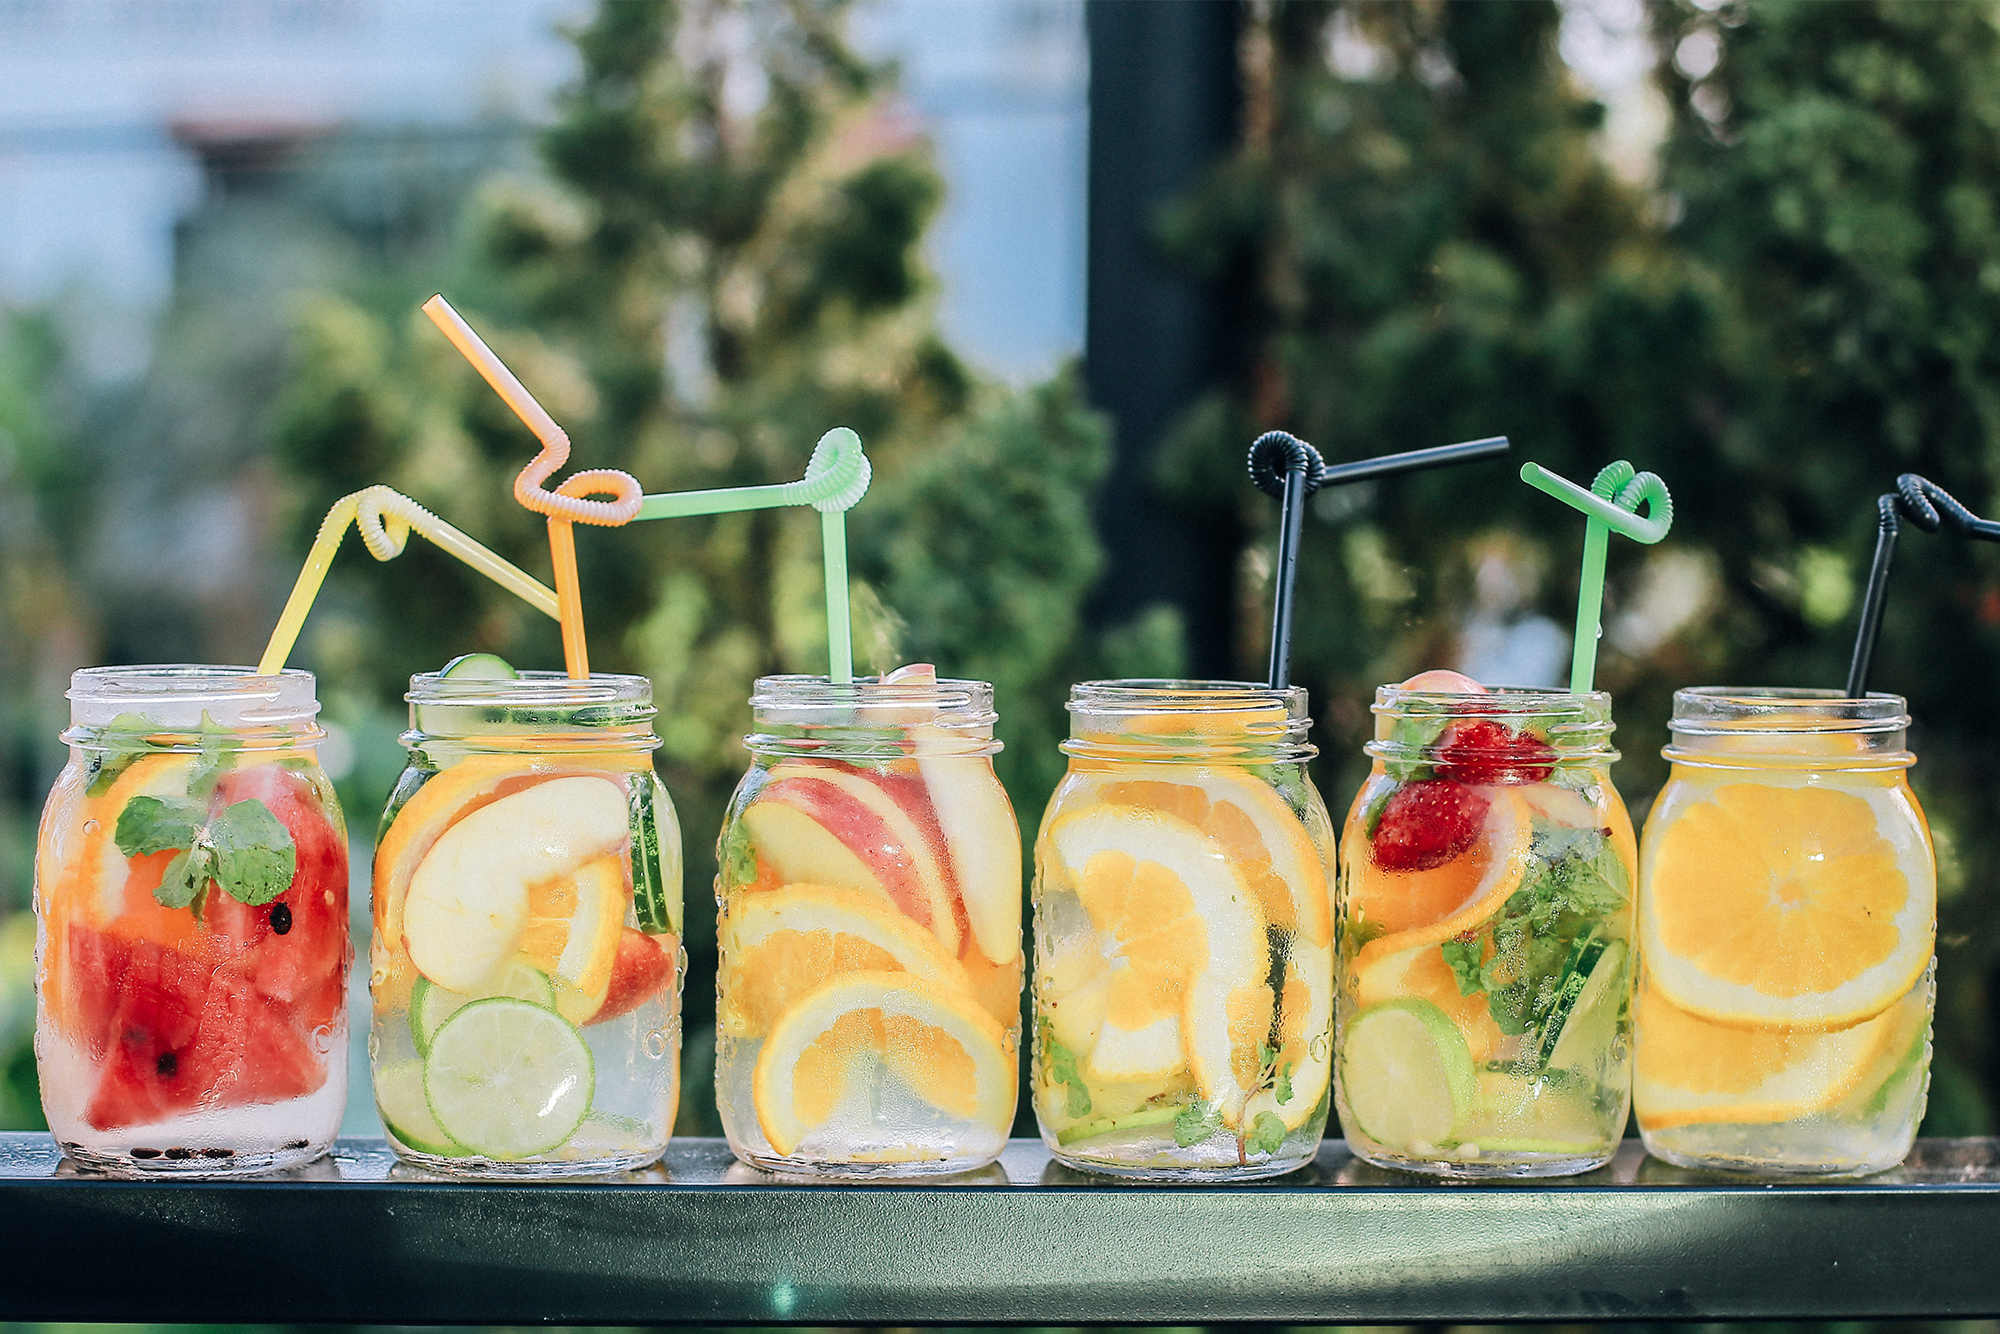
(526, 964)
(1788, 912)
(1486, 884)
(192, 947)
(869, 919)
(1184, 935)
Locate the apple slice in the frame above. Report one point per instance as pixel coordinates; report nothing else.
(469, 901)
(644, 967)
(1443, 681)
(889, 799)
(813, 831)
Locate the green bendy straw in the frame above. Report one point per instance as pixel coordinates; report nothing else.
(836, 478)
(1611, 503)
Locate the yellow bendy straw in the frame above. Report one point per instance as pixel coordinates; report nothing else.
(566, 505)
(836, 478)
(386, 518)
(1612, 503)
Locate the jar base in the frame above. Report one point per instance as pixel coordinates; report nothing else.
(820, 1169)
(529, 1169)
(1191, 1176)
(190, 1164)
(1748, 1167)
(1515, 1166)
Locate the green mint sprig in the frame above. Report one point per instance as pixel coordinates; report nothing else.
(242, 848)
(1063, 1071)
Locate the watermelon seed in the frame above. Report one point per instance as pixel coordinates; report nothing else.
(167, 1064)
(178, 1153)
(281, 918)
(218, 1153)
(145, 1153)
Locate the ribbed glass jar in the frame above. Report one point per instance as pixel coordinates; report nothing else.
(1184, 935)
(1486, 897)
(191, 901)
(526, 967)
(869, 919)
(1788, 916)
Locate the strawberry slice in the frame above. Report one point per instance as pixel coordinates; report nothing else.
(1426, 824)
(1480, 750)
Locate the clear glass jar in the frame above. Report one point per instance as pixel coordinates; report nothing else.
(1788, 916)
(192, 946)
(1184, 935)
(1486, 884)
(869, 929)
(526, 966)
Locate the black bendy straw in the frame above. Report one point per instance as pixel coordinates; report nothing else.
(1286, 467)
(1928, 506)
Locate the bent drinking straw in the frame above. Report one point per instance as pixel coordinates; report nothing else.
(1284, 466)
(1611, 504)
(1928, 506)
(566, 505)
(386, 518)
(836, 478)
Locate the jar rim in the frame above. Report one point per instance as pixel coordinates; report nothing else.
(948, 694)
(1165, 694)
(183, 696)
(1718, 710)
(530, 689)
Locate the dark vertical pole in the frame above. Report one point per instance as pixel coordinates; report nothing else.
(1163, 106)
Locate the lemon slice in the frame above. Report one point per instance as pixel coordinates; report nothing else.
(1304, 1060)
(1184, 939)
(781, 945)
(1476, 883)
(1406, 1076)
(1772, 905)
(1254, 827)
(938, 1044)
(406, 1113)
(508, 1079)
(1689, 1071)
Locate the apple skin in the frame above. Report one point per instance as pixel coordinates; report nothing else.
(902, 804)
(643, 969)
(811, 831)
(1443, 681)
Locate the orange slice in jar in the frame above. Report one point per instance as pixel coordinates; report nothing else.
(939, 1045)
(1769, 905)
(1430, 907)
(784, 944)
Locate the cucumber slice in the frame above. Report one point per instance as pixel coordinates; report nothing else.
(431, 1004)
(509, 1079)
(479, 667)
(399, 1097)
(1407, 1075)
(656, 859)
(1583, 1023)
(1145, 1116)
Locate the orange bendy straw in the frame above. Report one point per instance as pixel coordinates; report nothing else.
(566, 505)
(386, 519)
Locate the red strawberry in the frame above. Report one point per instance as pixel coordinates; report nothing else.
(1480, 750)
(1426, 824)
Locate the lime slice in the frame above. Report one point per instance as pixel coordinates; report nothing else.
(431, 1004)
(479, 667)
(508, 1079)
(399, 1097)
(1108, 1125)
(1407, 1075)
(1583, 1022)
(656, 858)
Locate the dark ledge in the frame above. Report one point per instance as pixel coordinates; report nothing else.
(700, 1240)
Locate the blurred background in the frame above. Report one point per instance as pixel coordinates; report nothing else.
(1058, 262)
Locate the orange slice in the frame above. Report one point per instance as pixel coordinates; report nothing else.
(1479, 881)
(1770, 905)
(574, 925)
(1255, 829)
(1420, 972)
(779, 946)
(1304, 1058)
(1182, 941)
(1689, 1071)
(938, 1044)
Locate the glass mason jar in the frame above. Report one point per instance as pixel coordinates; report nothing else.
(191, 905)
(526, 966)
(1788, 913)
(1486, 884)
(869, 926)
(1184, 935)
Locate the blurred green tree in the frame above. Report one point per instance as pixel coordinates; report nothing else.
(721, 263)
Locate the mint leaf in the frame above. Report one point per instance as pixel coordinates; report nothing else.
(152, 824)
(1462, 956)
(1267, 1132)
(254, 855)
(1062, 1070)
(123, 739)
(219, 746)
(1577, 881)
(1412, 735)
(1197, 1121)
(1285, 1083)
(738, 857)
(186, 876)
